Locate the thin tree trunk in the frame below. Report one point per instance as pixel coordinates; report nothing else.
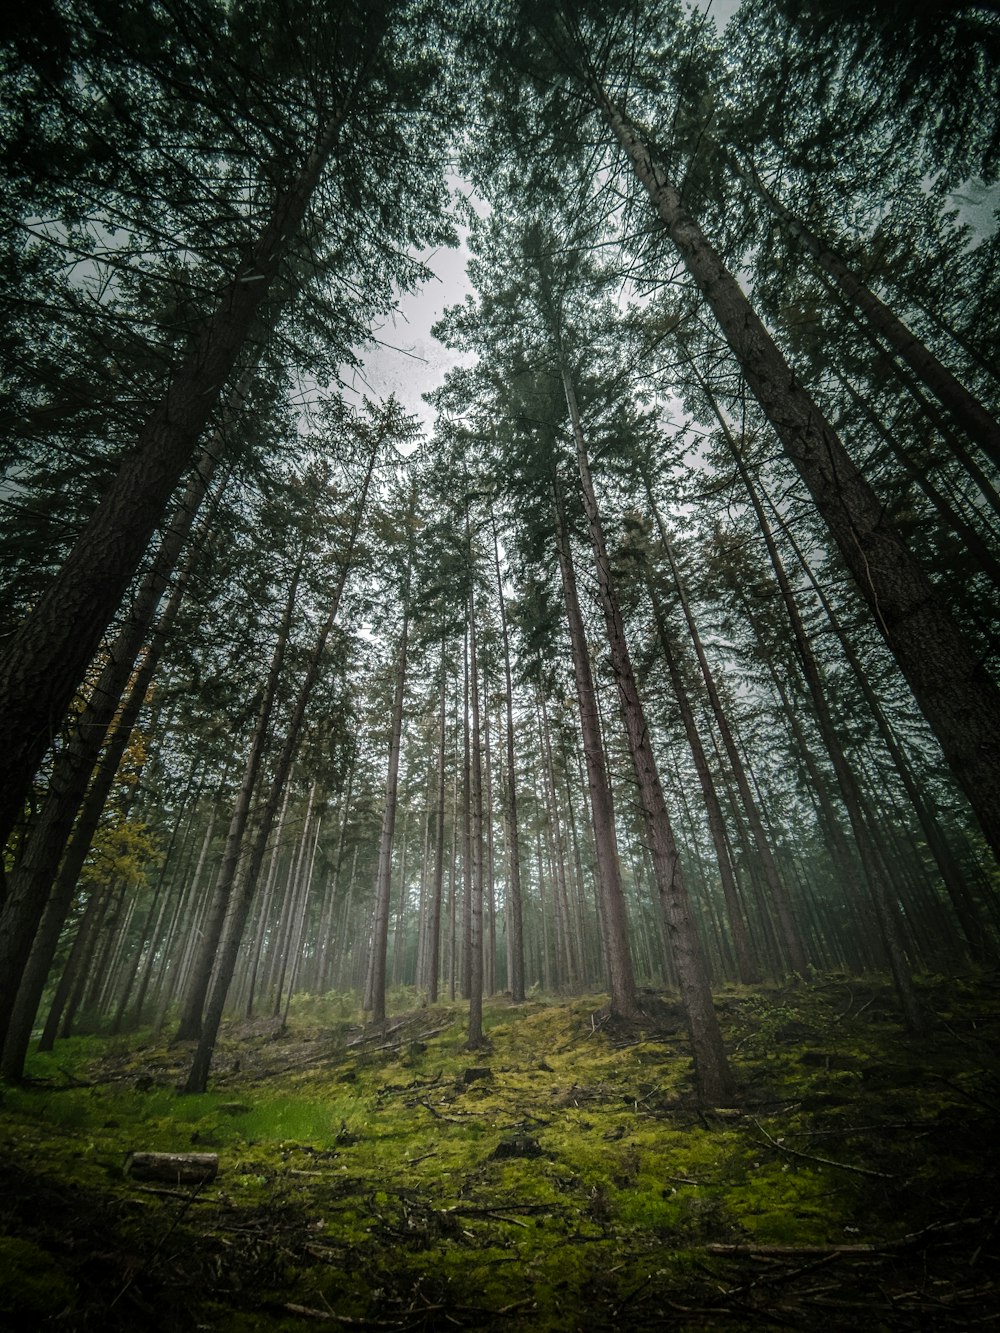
(236, 925)
(514, 911)
(189, 1027)
(383, 879)
(966, 911)
(476, 1039)
(611, 892)
(962, 405)
(747, 968)
(40, 887)
(780, 901)
(715, 1083)
(434, 939)
(886, 912)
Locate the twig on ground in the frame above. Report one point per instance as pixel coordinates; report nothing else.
(823, 1161)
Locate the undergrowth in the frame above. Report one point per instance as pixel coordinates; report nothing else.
(564, 1179)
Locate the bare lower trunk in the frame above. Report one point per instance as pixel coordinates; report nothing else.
(189, 1027)
(38, 890)
(746, 966)
(476, 834)
(610, 890)
(514, 913)
(780, 901)
(715, 1083)
(380, 932)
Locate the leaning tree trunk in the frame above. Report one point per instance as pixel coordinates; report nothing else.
(780, 900)
(886, 910)
(189, 1027)
(973, 927)
(197, 1079)
(747, 968)
(37, 889)
(965, 409)
(47, 658)
(610, 890)
(948, 679)
(715, 1082)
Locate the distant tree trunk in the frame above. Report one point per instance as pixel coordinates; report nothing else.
(189, 1027)
(948, 678)
(966, 911)
(236, 923)
(264, 915)
(434, 931)
(476, 1039)
(513, 905)
(465, 972)
(566, 963)
(886, 912)
(611, 892)
(295, 950)
(383, 878)
(746, 966)
(321, 980)
(715, 1083)
(47, 658)
(780, 901)
(169, 970)
(489, 877)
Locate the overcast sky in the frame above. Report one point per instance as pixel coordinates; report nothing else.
(407, 361)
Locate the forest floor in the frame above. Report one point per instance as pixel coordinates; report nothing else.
(563, 1179)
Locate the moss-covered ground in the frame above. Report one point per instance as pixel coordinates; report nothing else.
(563, 1179)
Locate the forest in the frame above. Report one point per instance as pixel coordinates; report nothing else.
(533, 863)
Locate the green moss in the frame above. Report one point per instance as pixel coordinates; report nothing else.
(31, 1283)
(362, 1176)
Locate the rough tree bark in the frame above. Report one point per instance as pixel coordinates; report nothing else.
(715, 1082)
(948, 678)
(610, 890)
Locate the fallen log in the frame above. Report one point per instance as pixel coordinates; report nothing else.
(178, 1168)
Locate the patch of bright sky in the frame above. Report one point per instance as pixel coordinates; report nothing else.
(405, 359)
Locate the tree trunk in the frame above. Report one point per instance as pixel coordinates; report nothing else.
(189, 1027)
(37, 889)
(715, 1083)
(236, 924)
(886, 912)
(780, 900)
(383, 878)
(514, 912)
(948, 679)
(476, 1039)
(962, 405)
(433, 965)
(611, 892)
(47, 658)
(747, 968)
